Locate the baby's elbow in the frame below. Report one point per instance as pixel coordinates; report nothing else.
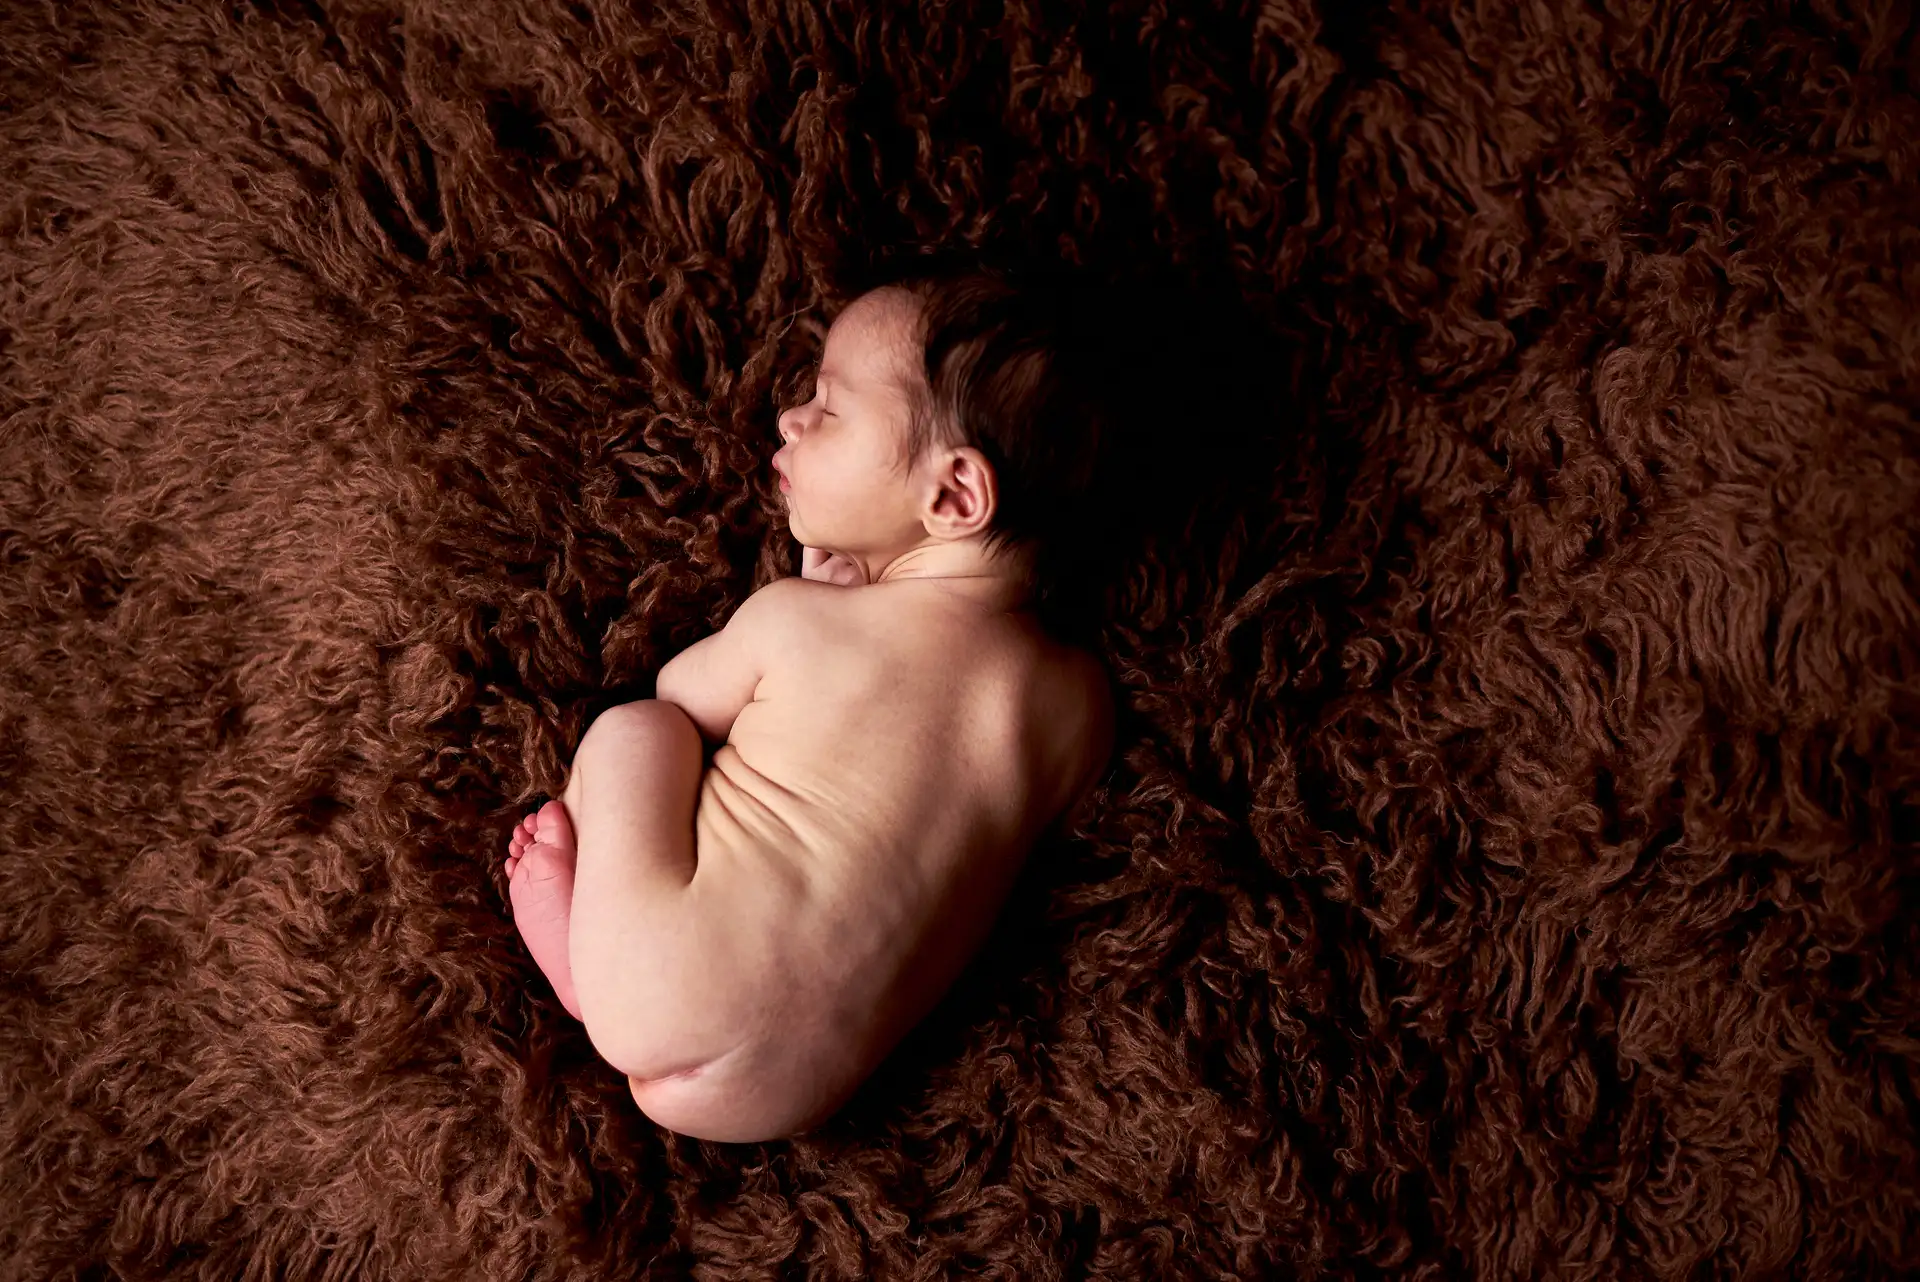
(711, 722)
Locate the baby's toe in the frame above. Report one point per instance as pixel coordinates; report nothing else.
(551, 825)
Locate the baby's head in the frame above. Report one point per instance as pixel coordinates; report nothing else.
(951, 432)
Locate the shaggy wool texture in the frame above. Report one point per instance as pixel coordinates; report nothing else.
(1508, 866)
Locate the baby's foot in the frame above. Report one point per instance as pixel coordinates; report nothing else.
(540, 863)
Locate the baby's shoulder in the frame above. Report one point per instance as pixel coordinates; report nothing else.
(806, 623)
(781, 608)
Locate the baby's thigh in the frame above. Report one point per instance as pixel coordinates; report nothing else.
(658, 980)
(632, 793)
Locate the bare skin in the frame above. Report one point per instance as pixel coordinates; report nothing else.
(907, 735)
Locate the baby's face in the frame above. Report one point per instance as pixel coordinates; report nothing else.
(840, 465)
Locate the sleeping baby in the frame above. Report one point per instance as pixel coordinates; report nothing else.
(758, 881)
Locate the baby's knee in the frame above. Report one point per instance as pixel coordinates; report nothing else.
(643, 720)
(650, 730)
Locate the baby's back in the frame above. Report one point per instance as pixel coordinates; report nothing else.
(875, 801)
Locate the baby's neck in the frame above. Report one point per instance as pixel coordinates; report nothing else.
(992, 593)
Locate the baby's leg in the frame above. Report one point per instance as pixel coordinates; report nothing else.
(649, 958)
(642, 803)
(635, 784)
(634, 956)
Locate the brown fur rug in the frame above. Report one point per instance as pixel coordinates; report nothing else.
(1509, 866)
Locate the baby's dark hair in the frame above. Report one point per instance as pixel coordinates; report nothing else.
(1019, 365)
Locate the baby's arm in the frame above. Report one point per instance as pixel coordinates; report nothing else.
(714, 678)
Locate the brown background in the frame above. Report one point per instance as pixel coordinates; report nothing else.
(1508, 869)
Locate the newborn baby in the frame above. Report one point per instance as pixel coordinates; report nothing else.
(755, 883)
